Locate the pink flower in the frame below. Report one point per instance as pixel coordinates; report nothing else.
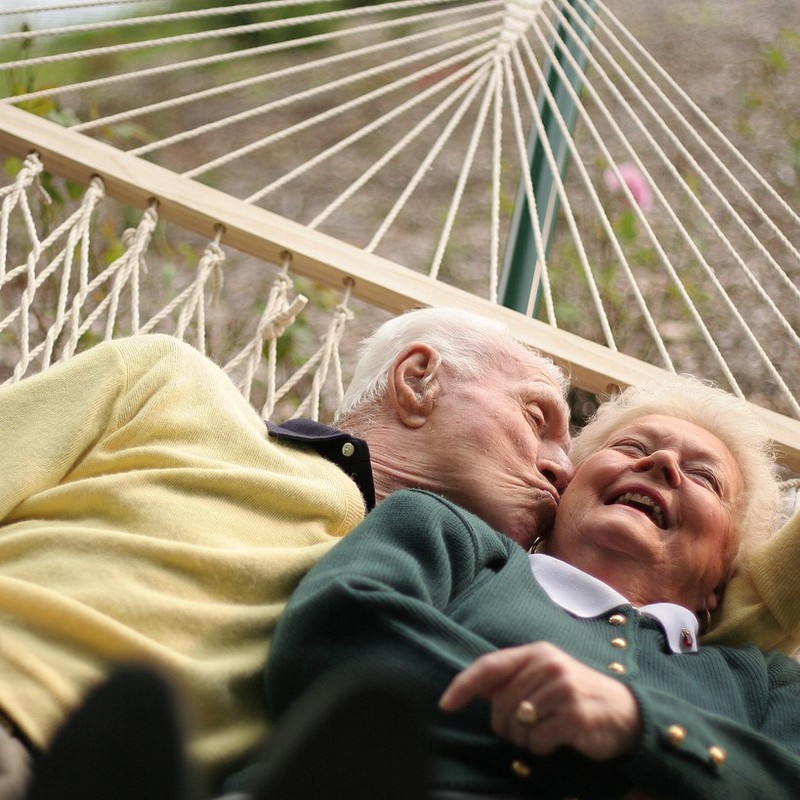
(634, 180)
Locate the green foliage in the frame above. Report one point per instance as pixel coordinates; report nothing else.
(793, 131)
(11, 166)
(298, 339)
(625, 226)
(775, 58)
(270, 35)
(763, 98)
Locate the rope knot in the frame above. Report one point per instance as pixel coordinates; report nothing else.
(31, 173)
(210, 269)
(343, 313)
(274, 326)
(283, 282)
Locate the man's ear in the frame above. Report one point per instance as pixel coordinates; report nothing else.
(413, 385)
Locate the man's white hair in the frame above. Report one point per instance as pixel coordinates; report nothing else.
(727, 417)
(467, 344)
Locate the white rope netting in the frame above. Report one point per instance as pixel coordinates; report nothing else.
(407, 129)
(80, 308)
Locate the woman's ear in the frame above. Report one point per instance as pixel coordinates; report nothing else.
(413, 385)
(714, 600)
(715, 597)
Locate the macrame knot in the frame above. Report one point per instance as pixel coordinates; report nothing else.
(96, 189)
(36, 175)
(150, 217)
(343, 313)
(279, 321)
(282, 282)
(210, 269)
(137, 239)
(32, 166)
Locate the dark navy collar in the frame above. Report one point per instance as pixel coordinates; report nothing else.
(349, 453)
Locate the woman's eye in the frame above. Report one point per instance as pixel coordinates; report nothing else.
(707, 478)
(630, 446)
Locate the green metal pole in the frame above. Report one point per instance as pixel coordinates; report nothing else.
(519, 279)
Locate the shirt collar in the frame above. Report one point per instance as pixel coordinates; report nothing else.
(349, 453)
(585, 596)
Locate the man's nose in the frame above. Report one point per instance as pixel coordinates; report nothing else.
(555, 465)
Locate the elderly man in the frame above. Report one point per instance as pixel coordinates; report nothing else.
(449, 400)
(147, 516)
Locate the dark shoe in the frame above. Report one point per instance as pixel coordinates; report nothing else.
(352, 737)
(124, 743)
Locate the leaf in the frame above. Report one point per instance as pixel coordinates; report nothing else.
(11, 166)
(625, 226)
(775, 59)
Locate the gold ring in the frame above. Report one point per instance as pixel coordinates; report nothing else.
(526, 713)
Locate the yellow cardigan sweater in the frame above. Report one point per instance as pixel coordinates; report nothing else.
(146, 515)
(762, 601)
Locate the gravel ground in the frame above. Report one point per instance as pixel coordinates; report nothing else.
(719, 52)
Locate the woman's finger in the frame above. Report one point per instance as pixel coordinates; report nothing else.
(487, 674)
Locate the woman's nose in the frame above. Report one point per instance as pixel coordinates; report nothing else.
(664, 463)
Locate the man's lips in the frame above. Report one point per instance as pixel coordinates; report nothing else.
(551, 491)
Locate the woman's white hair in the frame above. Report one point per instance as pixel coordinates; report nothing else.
(467, 344)
(727, 417)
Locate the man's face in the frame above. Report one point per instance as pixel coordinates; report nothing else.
(651, 512)
(502, 445)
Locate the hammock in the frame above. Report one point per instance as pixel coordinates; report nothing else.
(527, 160)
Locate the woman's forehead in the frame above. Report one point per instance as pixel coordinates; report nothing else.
(673, 430)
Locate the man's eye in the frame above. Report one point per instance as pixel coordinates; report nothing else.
(535, 418)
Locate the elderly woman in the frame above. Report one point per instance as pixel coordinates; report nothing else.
(585, 661)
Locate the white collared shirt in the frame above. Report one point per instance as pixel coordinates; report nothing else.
(585, 596)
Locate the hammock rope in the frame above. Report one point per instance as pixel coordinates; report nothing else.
(192, 300)
(389, 139)
(700, 209)
(642, 219)
(69, 326)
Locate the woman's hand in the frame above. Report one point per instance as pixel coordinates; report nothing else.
(567, 703)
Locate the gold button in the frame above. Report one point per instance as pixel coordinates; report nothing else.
(717, 755)
(618, 619)
(521, 769)
(348, 448)
(619, 642)
(676, 735)
(615, 666)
